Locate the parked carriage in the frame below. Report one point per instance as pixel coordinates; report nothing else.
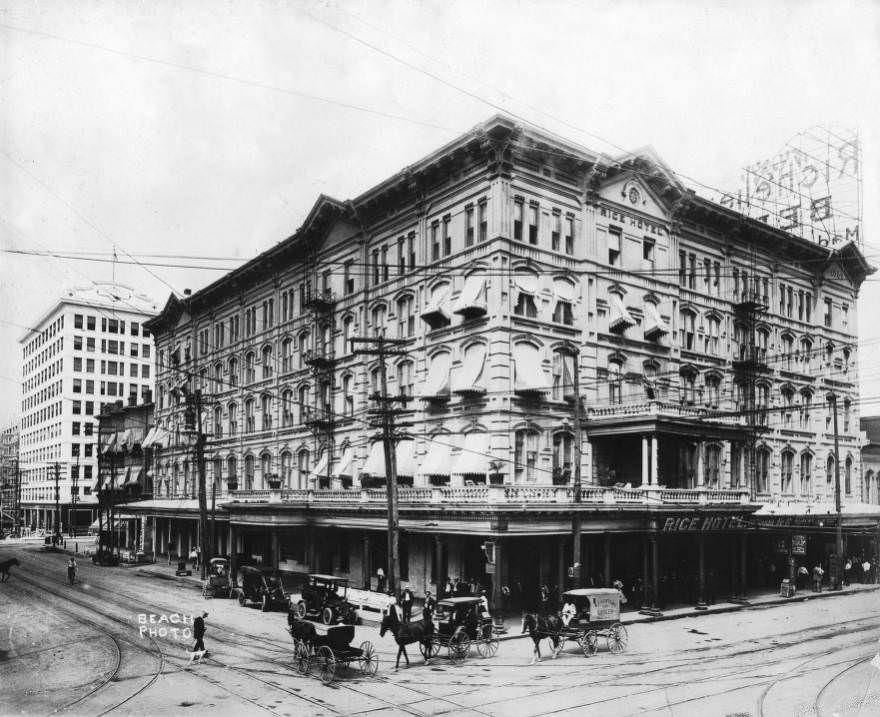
(219, 582)
(461, 623)
(326, 652)
(255, 587)
(597, 614)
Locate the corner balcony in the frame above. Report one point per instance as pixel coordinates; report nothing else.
(318, 359)
(521, 496)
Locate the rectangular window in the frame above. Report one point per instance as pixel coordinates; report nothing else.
(77, 363)
(469, 228)
(411, 244)
(401, 256)
(692, 274)
(90, 386)
(483, 221)
(556, 231)
(77, 385)
(533, 224)
(518, 220)
(133, 350)
(435, 240)
(145, 351)
(614, 246)
(716, 285)
(88, 428)
(800, 304)
(828, 312)
(376, 270)
(133, 370)
(78, 343)
(77, 407)
(90, 323)
(844, 315)
(90, 407)
(809, 307)
(648, 254)
(447, 236)
(789, 301)
(682, 269)
(385, 268)
(77, 321)
(75, 429)
(145, 371)
(134, 327)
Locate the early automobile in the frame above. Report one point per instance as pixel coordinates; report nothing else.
(460, 623)
(326, 596)
(267, 592)
(218, 583)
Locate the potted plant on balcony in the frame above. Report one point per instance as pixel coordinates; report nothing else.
(232, 483)
(274, 482)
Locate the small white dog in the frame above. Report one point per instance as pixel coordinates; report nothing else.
(196, 656)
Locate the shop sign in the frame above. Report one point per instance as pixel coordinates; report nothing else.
(699, 523)
(604, 607)
(782, 545)
(799, 544)
(786, 521)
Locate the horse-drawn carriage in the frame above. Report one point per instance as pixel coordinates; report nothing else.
(256, 587)
(325, 652)
(461, 623)
(596, 614)
(218, 583)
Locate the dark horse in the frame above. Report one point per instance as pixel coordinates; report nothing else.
(301, 629)
(4, 568)
(406, 633)
(539, 627)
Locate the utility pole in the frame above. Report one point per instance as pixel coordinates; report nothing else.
(577, 567)
(74, 499)
(56, 538)
(386, 414)
(18, 518)
(203, 499)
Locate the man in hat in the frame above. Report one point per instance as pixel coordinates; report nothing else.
(430, 603)
(199, 633)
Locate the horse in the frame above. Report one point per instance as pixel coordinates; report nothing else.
(4, 568)
(539, 627)
(301, 629)
(406, 633)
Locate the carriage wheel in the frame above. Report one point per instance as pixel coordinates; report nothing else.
(241, 599)
(487, 648)
(207, 591)
(328, 615)
(431, 650)
(264, 604)
(617, 638)
(301, 610)
(301, 657)
(369, 660)
(459, 646)
(326, 664)
(589, 643)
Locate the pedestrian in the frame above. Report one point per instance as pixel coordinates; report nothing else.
(817, 578)
(199, 633)
(544, 597)
(448, 587)
(801, 580)
(847, 567)
(406, 603)
(194, 556)
(381, 582)
(484, 604)
(430, 603)
(866, 571)
(71, 570)
(396, 610)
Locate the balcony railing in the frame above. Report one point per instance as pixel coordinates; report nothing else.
(664, 408)
(501, 494)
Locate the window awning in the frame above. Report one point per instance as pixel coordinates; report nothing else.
(564, 290)
(468, 378)
(474, 455)
(525, 284)
(109, 442)
(344, 466)
(568, 369)
(437, 384)
(135, 479)
(150, 438)
(436, 313)
(438, 460)
(320, 468)
(529, 375)
(406, 466)
(472, 300)
(620, 316)
(375, 464)
(654, 324)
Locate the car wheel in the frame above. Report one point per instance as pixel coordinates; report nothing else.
(328, 615)
(301, 610)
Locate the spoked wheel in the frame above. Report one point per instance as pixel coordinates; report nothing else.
(589, 643)
(459, 645)
(617, 638)
(301, 610)
(328, 616)
(301, 657)
(368, 660)
(241, 599)
(487, 648)
(326, 664)
(207, 591)
(431, 650)
(264, 604)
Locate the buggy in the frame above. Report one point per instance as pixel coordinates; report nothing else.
(325, 652)
(218, 583)
(255, 587)
(460, 622)
(597, 615)
(326, 595)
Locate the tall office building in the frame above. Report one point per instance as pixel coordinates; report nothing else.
(88, 349)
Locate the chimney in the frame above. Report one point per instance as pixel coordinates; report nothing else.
(187, 292)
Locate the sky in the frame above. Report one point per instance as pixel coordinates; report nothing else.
(159, 130)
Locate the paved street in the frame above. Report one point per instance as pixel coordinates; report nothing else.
(78, 649)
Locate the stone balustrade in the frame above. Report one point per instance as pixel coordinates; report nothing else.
(519, 494)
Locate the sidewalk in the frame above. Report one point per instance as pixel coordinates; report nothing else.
(513, 622)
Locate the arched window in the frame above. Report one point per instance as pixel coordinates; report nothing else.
(806, 403)
(615, 383)
(286, 355)
(233, 371)
(249, 368)
(713, 335)
(347, 334)
(406, 320)
(303, 403)
(266, 411)
(686, 332)
(847, 475)
(564, 295)
(713, 466)
(405, 378)
(287, 409)
(267, 362)
(787, 393)
(688, 386)
(377, 320)
(302, 469)
(233, 419)
(829, 473)
(787, 472)
(347, 396)
(806, 474)
(762, 399)
(304, 347)
(563, 376)
(232, 470)
(762, 338)
(375, 381)
(217, 475)
(526, 456)
(806, 355)
(787, 351)
(266, 469)
(713, 390)
(762, 470)
(829, 354)
(219, 383)
(563, 458)
(249, 465)
(250, 424)
(526, 291)
(218, 422)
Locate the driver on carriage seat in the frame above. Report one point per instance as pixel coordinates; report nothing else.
(568, 612)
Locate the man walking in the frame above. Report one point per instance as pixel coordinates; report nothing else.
(817, 578)
(430, 603)
(199, 633)
(406, 603)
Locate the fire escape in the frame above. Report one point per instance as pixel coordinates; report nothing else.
(320, 416)
(750, 303)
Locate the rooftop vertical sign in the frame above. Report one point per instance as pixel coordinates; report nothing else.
(811, 188)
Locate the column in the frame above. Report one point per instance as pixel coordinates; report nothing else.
(561, 571)
(646, 476)
(233, 554)
(701, 465)
(499, 579)
(366, 568)
(646, 588)
(655, 578)
(608, 577)
(654, 452)
(276, 553)
(734, 573)
(743, 565)
(701, 598)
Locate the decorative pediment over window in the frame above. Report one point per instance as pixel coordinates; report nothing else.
(621, 319)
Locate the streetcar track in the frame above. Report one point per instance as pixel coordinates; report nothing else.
(858, 661)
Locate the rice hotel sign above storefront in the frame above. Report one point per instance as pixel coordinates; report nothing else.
(700, 523)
